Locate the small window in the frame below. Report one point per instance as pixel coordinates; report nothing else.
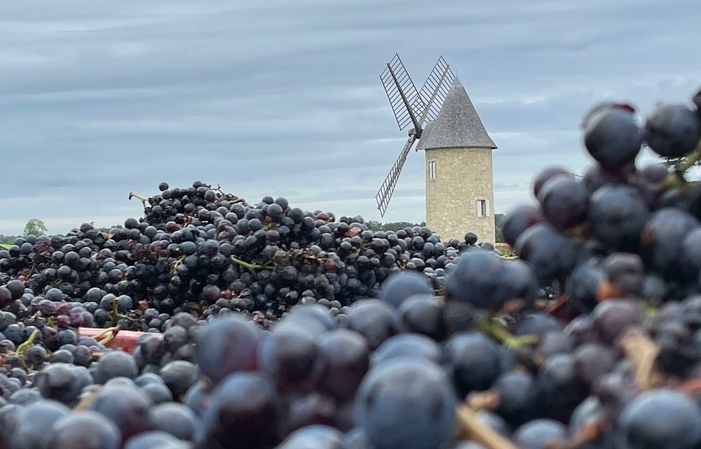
(482, 208)
(432, 170)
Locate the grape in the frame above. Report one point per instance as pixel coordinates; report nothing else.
(397, 288)
(550, 253)
(546, 175)
(126, 406)
(408, 345)
(227, 345)
(477, 279)
(292, 358)
(518, 220)
(672, 130)
(518, 397)
(640, 425)
(406, 403)
(612, 136)
(617, 215)
(373, 319)
(242, 414)
(612, 317)
(317, 436)
(85, 430)
(564, 202)
(475, 360)
(347, 356)
(422, 314)
(175, 419)
(115, 364)
(535, 434)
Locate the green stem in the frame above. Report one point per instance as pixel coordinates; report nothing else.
(251, 267)
(492, 327)
(676, 178)
(24, 347)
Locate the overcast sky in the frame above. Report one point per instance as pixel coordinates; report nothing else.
(283, 98)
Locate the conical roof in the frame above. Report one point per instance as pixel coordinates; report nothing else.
(457, 124)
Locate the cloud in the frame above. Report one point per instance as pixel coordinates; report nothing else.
(283, 98)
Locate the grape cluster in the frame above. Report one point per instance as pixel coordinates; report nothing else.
(475, 360)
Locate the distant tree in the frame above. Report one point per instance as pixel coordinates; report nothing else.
(35, 227)
(8, 239)
(498, 223)
(391, 226)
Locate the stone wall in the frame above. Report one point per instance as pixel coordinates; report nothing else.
(462, 177)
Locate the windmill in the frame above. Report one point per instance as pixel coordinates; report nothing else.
(411, 107)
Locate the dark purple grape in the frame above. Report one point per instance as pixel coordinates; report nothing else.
(408, 345)
(662, 239)
(546, 175)
(475, 360)
(392, 415)
(243, 413)
(85, 430)
(617, 215)
(127, 406)
(476, 279)
(518, 220)
(347, 361)
(640, 425)
(314, 436)
(564, 202)
(292, 358)
(537, 433)
(612, 136)
(175, 419)
(373, 319)
(551, 254)
(673, 130)
(397, 288)
(227, 345)
(422, 314)
(612, 317)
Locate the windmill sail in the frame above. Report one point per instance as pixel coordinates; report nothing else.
(385, 193)
(435, 89)
(402, 94)
(411, 106)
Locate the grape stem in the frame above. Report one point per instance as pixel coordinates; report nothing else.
(252, 267)
(641, 351)
(143, 199)
(473, 429)
(496, 329)
(676, 178)
(24, 347)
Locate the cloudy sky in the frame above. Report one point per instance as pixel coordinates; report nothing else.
(283, 98)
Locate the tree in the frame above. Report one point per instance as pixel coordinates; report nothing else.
(8, 239)
(35, 227)
(498, 223)
(391, 226)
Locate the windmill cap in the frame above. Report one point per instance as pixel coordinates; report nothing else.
(457, 126)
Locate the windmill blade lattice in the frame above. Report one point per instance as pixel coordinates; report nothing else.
(402, 86)
(436, 86)
(385, 193)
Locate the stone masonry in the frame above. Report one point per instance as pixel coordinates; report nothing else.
(462, 177)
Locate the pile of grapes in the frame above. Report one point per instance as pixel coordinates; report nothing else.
(200, 250)
(367, 341)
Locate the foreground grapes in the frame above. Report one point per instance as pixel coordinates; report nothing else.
(368, 340)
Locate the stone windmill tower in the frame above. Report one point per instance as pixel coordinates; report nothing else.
(458, 150)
